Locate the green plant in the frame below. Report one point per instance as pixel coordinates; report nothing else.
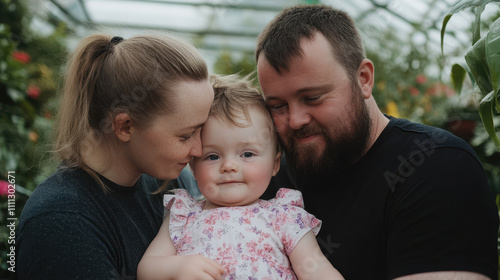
(29, 77)
(407, 84)
(483, 63)
(227, 64)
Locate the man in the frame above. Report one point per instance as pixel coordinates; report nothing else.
(398, 200)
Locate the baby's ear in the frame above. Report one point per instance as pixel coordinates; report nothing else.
(277, 162)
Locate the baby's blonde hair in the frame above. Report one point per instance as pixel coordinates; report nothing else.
(234, 95)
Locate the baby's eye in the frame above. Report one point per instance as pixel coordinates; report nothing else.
(247, 154)
(213, 157)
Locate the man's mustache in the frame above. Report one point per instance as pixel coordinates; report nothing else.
(305, 131)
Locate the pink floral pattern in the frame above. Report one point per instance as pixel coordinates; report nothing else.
(250, 242)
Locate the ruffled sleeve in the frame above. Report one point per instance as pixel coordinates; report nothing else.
(292, 220)
(290, 197)
(180, 206)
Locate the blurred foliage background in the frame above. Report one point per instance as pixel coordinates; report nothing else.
(30, 71)
(410, 82)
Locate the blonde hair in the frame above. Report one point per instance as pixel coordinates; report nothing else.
(233, 95)
(107, 76)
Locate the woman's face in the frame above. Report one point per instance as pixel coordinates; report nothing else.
(164, 148)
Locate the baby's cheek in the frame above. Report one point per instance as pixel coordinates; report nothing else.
(204, 178)
(259, 173)
(210, 191)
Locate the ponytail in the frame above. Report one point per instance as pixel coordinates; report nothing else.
(106, 76)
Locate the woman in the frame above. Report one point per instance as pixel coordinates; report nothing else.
(129, 108)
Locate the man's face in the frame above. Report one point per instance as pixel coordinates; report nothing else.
(319, 114)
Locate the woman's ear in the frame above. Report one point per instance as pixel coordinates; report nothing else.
(123, 127)
(277, 162)
(366, 77)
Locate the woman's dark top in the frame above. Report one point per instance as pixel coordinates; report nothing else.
(71, 229)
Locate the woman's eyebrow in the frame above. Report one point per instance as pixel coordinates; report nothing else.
(196, 126)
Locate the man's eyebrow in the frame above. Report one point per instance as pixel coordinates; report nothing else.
(270, 98)
(326, 87)
(320, 88)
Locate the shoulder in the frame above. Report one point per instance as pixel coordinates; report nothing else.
(424, 137)
(287, 212)
(63, 188)
(409, 147)
(290, 197)
(432, 164)
(180, 206)
(65, 191)
(437, 188)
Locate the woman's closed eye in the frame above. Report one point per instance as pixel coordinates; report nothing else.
(188, 136)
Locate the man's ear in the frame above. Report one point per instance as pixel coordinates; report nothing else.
(366, 77)
(123, 127)
(277, 162)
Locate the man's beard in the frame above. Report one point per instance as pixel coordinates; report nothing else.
(345, 144)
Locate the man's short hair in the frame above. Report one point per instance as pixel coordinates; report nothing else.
(280, 40)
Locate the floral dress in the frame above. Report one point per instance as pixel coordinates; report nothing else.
(250, 242)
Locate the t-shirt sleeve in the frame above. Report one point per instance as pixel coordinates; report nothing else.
(443, 217)
(64, 245)
(292, 221)
(179, 206)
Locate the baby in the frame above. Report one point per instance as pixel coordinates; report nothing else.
(241, 236)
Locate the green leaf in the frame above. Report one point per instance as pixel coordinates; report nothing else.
(443, 28)
(476, 26)
(460, 6)
(457, 77)
(476, 60)
(15, 94)
(486, 113)
(465, 4)
(471, 77)
(492, 53)
(29, 111)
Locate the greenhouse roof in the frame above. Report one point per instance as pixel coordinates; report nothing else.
(233, 25)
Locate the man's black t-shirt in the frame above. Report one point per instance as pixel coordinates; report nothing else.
(71, 229)
(418, 201)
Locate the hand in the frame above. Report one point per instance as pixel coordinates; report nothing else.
(196, 267)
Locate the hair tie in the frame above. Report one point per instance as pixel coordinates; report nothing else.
(115, 40)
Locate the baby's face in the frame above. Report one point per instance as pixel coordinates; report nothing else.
(237, 163)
